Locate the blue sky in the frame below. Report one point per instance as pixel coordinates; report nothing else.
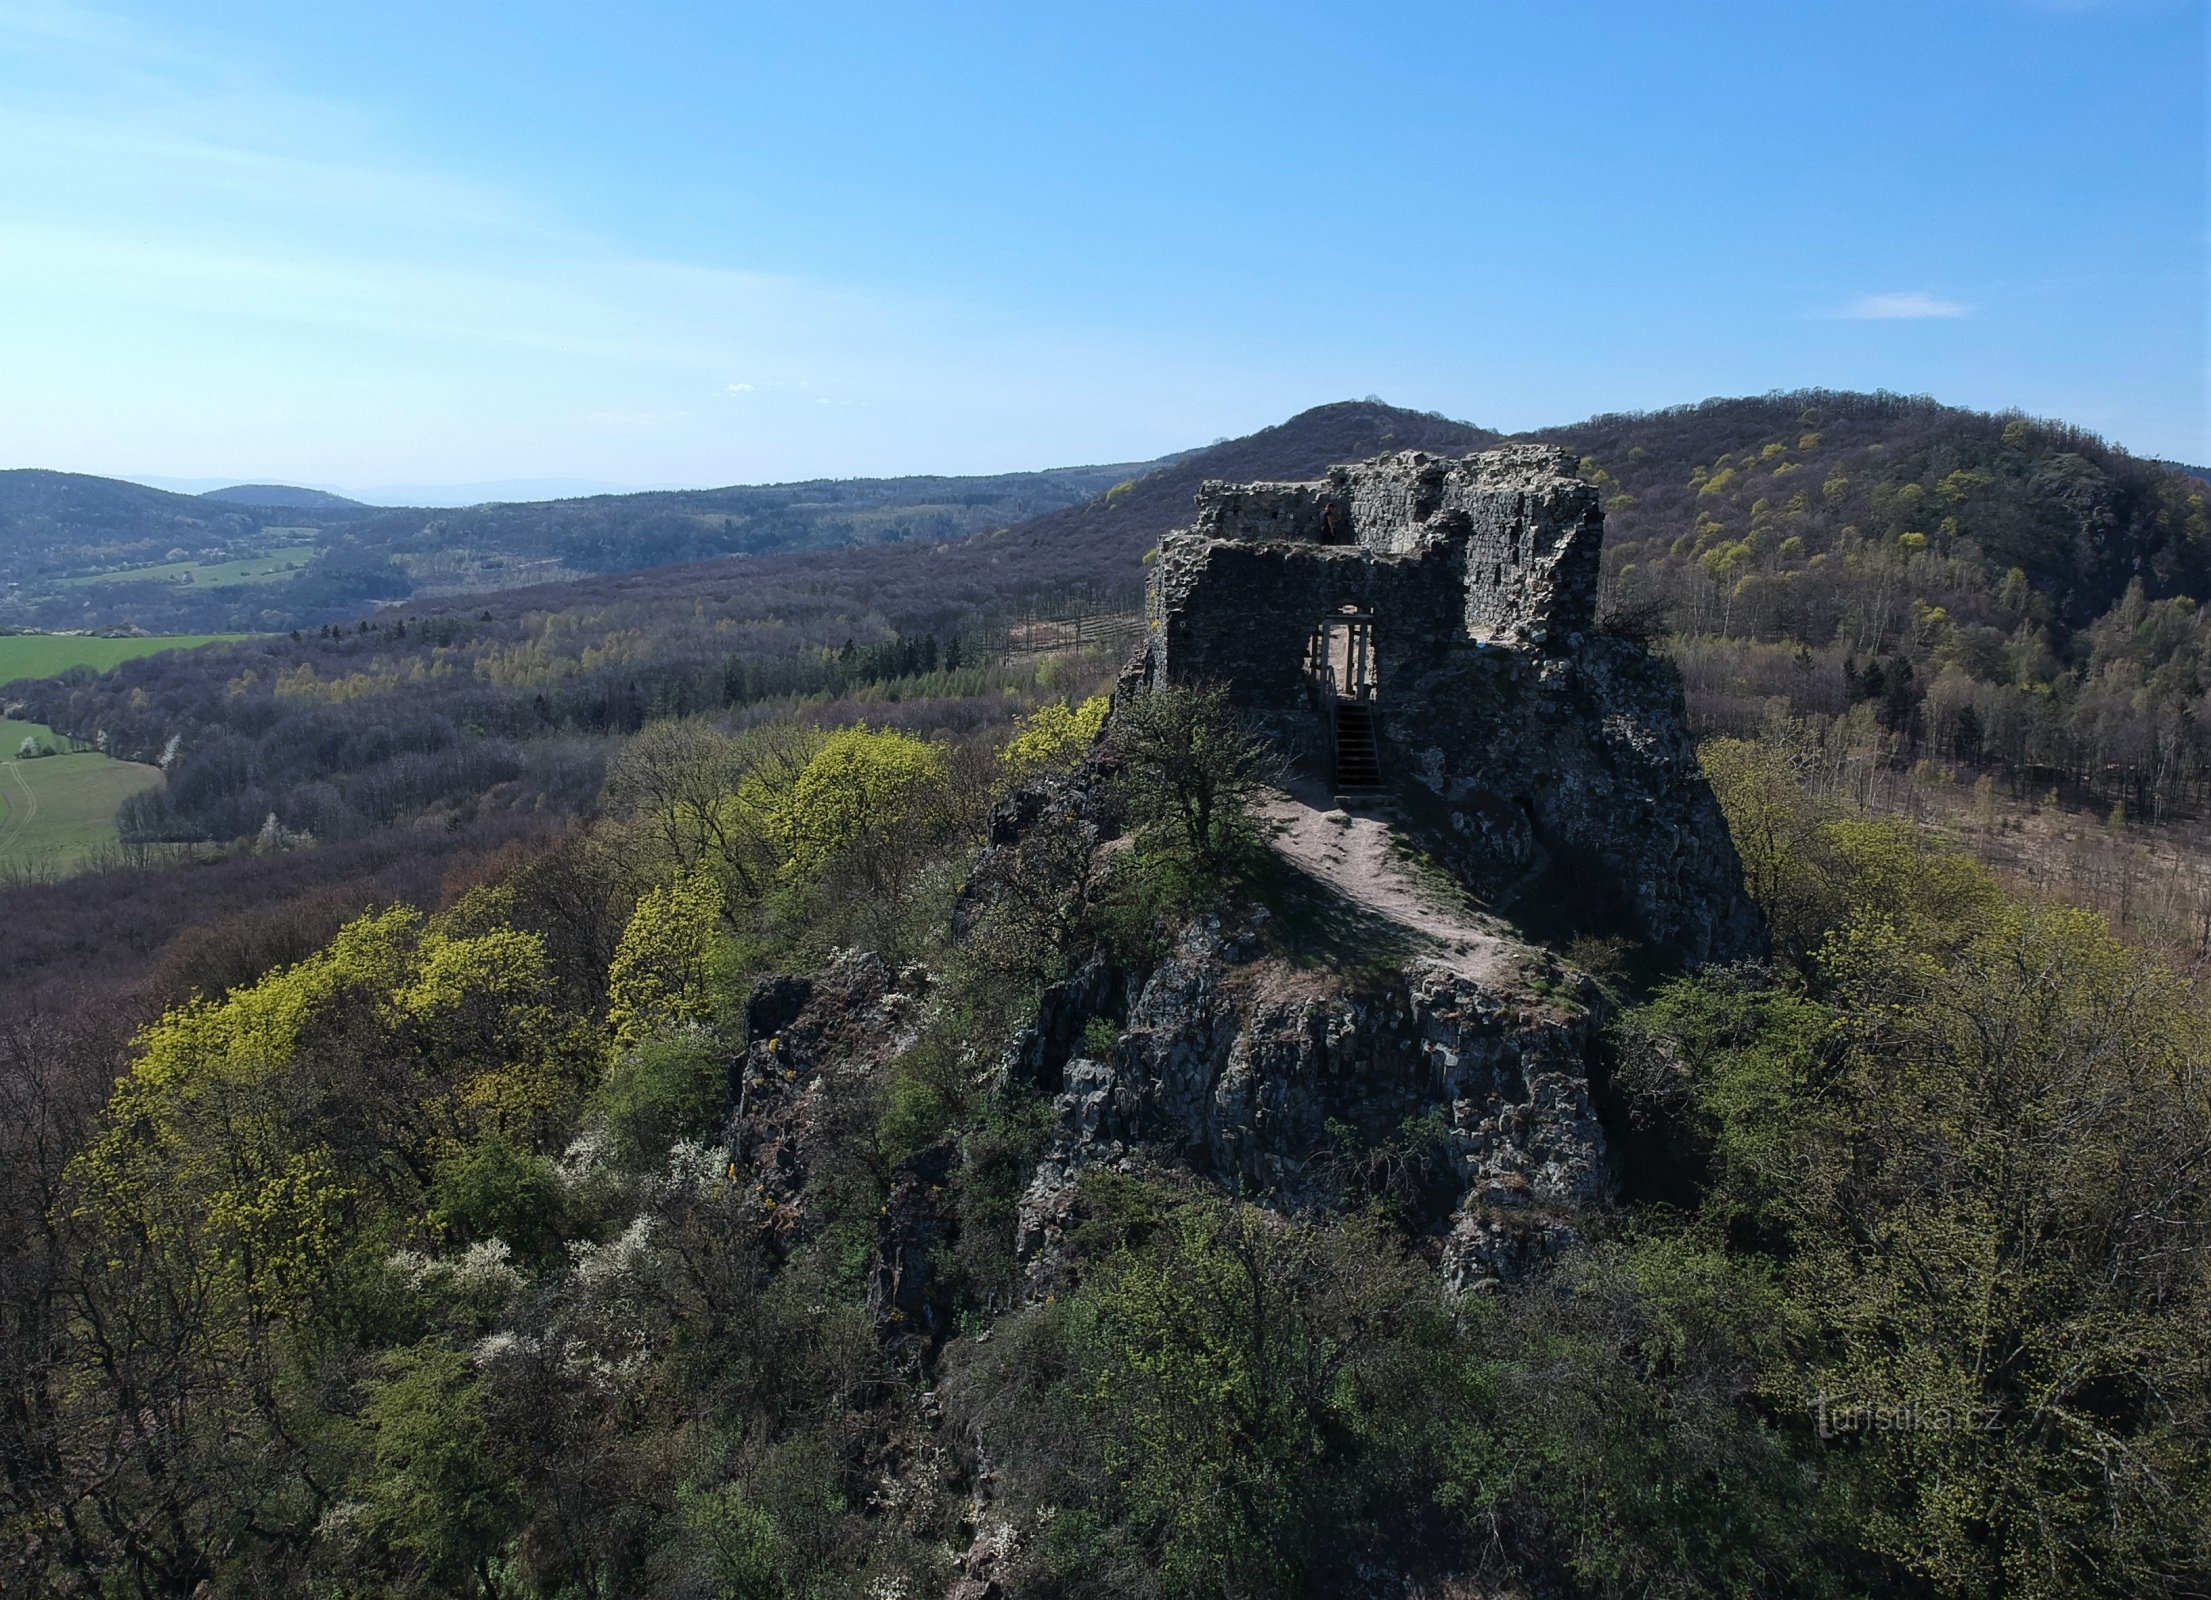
(651, 243)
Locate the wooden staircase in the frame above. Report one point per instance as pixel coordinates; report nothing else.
(1358, 762)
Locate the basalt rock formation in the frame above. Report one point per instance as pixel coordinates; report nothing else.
(1422, 634)
(1445, 611)
(1432, 623)
(1279, 1082)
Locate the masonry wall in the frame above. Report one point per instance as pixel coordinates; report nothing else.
(1555, 756)
(1523, 534)
(1270, 512)
(1242, 613)
(1532, 562)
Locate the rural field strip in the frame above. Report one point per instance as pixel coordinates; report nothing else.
(12, 824)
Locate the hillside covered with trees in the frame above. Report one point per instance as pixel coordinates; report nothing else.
(560, 1123)
(1994, 591)
(79, 552)
(1987, 593)
(422, 1261)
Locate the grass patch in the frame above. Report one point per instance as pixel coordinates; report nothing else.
(58, 810)
(271, 566)
(41, 655)
(13, 733)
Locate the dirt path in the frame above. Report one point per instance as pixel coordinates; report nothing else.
(1351, 853)
(14, 819)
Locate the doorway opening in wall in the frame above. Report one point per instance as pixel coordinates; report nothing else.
(1339, 659)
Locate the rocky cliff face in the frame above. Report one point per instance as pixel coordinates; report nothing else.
(1573, 777)
(811, 1044)
(1292, 1087)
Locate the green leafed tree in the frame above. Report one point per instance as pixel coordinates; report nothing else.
(1192, 769)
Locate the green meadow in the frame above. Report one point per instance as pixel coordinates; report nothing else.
(41, 655)
(57, 810)
(271, 566)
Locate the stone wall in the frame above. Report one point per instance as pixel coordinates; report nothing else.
(1243, 614)
(1550, 751)
(1512, 529)
(1273, 511)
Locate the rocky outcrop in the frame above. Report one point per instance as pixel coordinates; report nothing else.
(1271, 1080)
(811, 1044)
(1576, 774)
(906, 1293)
(1533, 747)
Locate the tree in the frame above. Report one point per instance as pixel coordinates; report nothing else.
(1053, 737)
(669, 953)
(1971, 1157)
(231, 1222)
(703, 800)
(436, 1491)
(1229, 1403)
(1192, 769)
(863, 819)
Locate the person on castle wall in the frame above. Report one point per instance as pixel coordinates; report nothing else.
(1331, 521)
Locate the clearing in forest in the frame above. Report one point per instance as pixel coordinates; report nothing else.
(58, 810)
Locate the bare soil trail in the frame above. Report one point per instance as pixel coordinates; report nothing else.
(1356, 854)
(15, 818)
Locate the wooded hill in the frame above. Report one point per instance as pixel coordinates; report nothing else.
(79, 551)
(1992, 590)
(377, 1215)
(1978, 589)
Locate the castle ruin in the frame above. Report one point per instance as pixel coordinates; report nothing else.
(1426, 629)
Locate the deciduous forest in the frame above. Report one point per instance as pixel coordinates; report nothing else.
(543, 1104)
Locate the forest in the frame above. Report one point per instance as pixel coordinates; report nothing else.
(78, 551)
(2008, 596)
(375, 1218)
(1991, 595)
(417, 1261)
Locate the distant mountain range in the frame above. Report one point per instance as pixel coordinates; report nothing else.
(80, 551)
(83, 551)
(502, 490)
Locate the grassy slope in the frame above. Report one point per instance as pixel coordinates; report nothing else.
(41, 655)
(13, 733)
(272, 566)
(57, 810)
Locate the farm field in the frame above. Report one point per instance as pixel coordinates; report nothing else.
(272, 566)
(57, 810)
(41, 655)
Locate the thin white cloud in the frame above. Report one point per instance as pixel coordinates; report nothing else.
(740, 388)
(1908, 306)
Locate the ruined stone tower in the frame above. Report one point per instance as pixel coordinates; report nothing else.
(1427, 628)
